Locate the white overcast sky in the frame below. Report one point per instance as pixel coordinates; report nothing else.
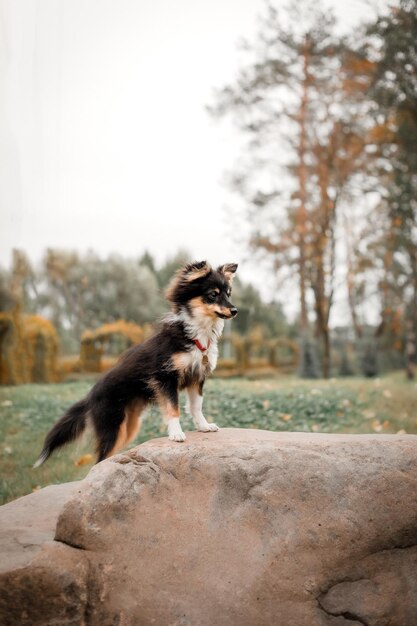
(104, 138)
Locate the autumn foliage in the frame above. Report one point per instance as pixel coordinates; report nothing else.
(93, 342)
(28, 349)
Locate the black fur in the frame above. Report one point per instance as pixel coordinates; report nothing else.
(146, 372)
(69, 427)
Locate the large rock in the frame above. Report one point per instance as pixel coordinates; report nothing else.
(240, 527)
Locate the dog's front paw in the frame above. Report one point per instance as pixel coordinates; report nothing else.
(175, 431)
(205, 427)
(177, 436)
(213, 428)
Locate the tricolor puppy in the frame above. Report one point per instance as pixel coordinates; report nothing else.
(179, 356)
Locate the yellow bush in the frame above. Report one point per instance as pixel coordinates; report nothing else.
(13, 370)
(28, 349)
(41, 341)
(93, 342)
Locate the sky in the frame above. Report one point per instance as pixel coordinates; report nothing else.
(105, 141)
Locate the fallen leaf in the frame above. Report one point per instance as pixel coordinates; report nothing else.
(7, 403)
(368, 414)
(376, 426)
(85, 459)
(286, 417)
(401, 432)
(266, 404)
(387, 393)
(315, 428)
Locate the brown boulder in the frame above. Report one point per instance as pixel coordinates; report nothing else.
(240, 527)
(27, 523)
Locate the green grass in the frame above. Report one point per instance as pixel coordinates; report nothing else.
(350, 405)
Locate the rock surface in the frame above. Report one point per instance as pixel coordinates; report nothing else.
(240, 527)
(27, 523)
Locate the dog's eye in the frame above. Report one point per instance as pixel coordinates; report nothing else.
(212, 296)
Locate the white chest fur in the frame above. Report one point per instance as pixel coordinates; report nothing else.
(207, 333)
(197, 356)
(194, 359)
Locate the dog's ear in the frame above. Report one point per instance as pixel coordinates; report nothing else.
(192, 271)
(229, 270)
(185, 275)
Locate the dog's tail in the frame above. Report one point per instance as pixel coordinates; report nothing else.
(68, 428)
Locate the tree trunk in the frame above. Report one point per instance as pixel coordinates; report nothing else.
(410, 330)
(410, 350)
(326, 353)
(301, 216)
(350, 280)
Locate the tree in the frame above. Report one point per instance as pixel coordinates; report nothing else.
(171, 265)
(84, 291)
(147, 260)
(7, 301)
(269, 316)
(392, 45)
(304, 143)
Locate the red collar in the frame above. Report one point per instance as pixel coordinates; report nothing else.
(200, 346)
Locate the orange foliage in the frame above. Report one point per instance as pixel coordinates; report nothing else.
(380, 134)
(93, 341)
(28, 349)
(283, 353)
(13, 369)
(256, 354)
(359, 65)
(41, 342)
(358, 74)
(131, 331)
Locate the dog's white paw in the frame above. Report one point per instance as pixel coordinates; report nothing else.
(207, 428)
(177, 436)
(213, 428)
(174, 430)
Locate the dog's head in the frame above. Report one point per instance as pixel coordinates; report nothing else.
(203, 291)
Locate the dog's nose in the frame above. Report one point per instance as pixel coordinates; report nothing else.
(233, 311)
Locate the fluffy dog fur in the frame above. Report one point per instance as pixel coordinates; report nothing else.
(179, 356)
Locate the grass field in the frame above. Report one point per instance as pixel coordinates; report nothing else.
(351, 405)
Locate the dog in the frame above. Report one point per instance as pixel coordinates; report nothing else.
(181, 354)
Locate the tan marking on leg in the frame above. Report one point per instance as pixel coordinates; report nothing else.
(166, 407)
(121, 439)
(171, 415)
(133, 419)
(169, 411)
